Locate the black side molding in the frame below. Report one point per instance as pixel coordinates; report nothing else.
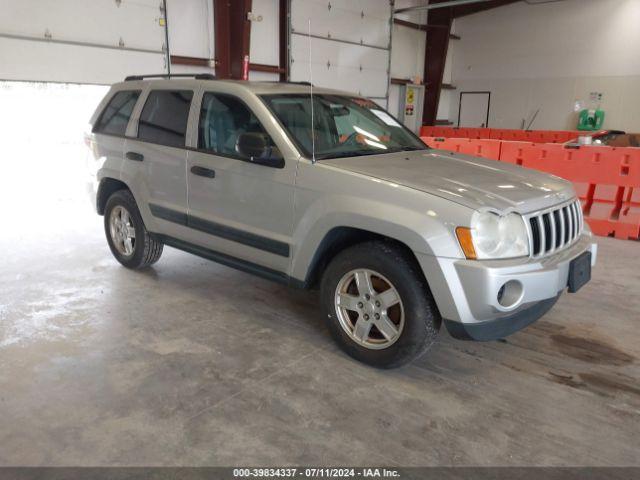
(227, 260)
(223, 231)
(168, 214)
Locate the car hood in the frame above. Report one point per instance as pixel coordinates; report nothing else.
(470, 181)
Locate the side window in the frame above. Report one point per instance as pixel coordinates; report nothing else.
(223, 119)
(115, 116)
(164, 117)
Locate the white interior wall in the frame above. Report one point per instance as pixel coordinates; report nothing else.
(264, 47)
(407, 59)
(407, 50)
(191, 32)
(416, 16)
(191, 28)
(100, 22)
(361, 65)
(265, 35)
(548, 56)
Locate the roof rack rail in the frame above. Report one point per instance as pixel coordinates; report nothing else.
(298, 83)
(197, 76)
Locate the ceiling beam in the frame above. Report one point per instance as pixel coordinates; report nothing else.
(460, 8)
(434, 5)
(464, 10)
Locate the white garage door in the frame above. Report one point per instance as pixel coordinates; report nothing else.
(350, 45)
(80, 41)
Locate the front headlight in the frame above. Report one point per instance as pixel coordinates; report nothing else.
(497, 236)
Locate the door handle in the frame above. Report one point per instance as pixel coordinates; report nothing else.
(135, 156)
(203, 172)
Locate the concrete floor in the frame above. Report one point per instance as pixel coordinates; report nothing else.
(192, 363)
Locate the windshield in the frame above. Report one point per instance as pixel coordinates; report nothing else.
(344, 126)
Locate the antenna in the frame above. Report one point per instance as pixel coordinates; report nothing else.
(313, 131)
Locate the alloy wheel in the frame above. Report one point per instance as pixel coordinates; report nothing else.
(369, 309)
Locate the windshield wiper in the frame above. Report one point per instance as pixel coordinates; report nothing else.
(356, 153)
(409, 149)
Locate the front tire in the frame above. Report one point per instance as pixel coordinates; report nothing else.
(378, 306)
(129, 241)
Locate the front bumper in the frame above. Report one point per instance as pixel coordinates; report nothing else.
(469, 297)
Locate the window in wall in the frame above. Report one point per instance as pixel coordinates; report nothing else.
(223, 119)
(115, 116)
(164, 117)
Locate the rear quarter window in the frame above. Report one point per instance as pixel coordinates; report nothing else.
(164, 117)
(114, 118)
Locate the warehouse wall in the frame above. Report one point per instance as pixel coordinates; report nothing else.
(407, 50)
(350, 45)
(79, 41)
(407, 59)
(100, 41)
(191, 32)
(548, 56)
(265, 38)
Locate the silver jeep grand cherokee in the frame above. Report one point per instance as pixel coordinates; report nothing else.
(397, 236)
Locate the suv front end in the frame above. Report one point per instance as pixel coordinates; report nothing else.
(483, 298)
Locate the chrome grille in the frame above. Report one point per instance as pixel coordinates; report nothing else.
(554, 229)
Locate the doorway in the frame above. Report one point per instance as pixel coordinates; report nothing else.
(473, 109)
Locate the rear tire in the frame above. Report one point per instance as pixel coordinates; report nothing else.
(386, 321)
(129, 241)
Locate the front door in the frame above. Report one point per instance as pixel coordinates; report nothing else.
(236, 207)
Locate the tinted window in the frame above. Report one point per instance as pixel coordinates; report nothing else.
(164, 117)
(222, 119)
(115, 117)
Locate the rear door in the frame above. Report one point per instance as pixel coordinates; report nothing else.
(237, 207)
(109, 128)
(158, 154)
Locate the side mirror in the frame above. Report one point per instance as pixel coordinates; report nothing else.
(255, 146)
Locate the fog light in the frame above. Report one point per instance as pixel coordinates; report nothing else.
(510, 294)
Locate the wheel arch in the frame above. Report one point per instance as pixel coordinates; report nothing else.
(340, 238)
(107, 187)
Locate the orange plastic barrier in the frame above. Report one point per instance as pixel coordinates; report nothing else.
(607, 180)
(477, 147)
(445, 132)
(536, 136)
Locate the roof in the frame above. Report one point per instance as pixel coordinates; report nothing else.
(194, 81)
